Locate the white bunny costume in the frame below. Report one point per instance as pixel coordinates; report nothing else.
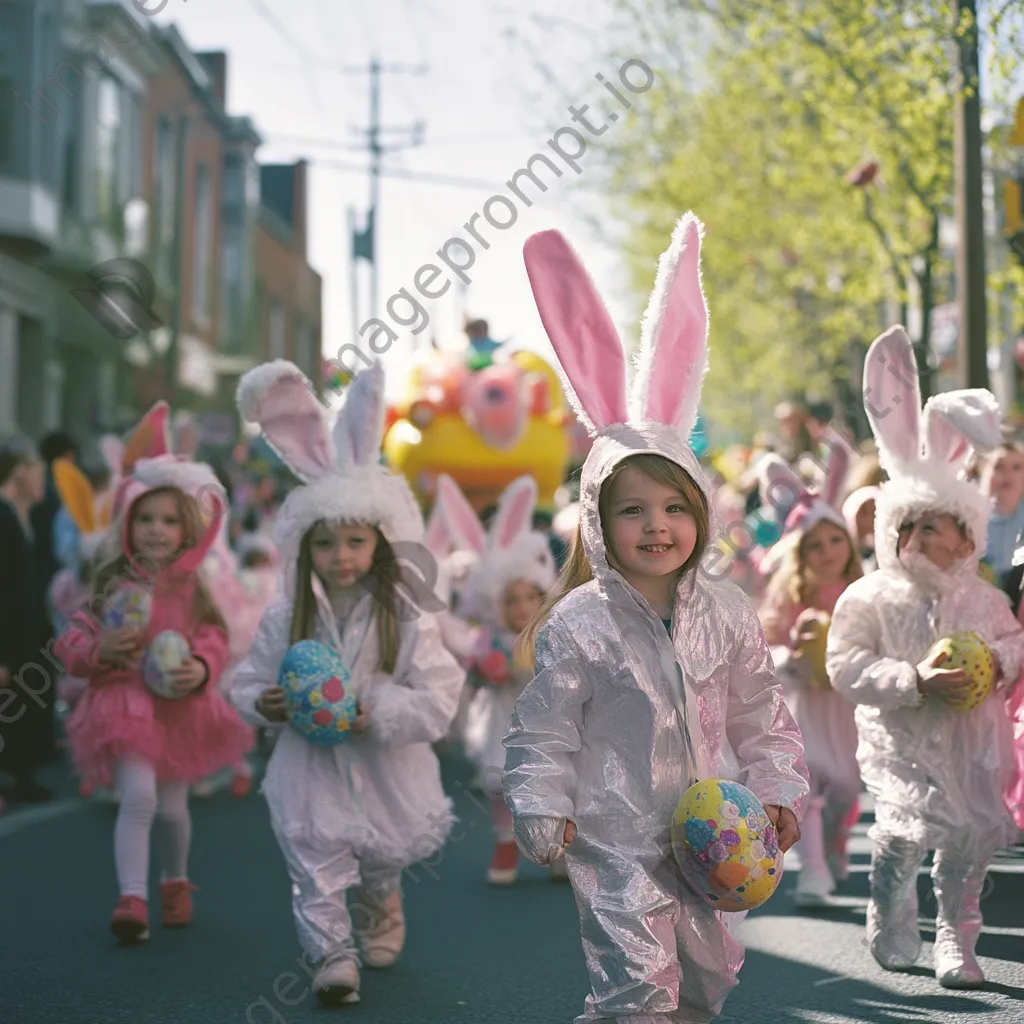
(509, 550)
(360, 812)
(602, 735)
(936, 774)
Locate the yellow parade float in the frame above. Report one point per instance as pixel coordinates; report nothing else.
(483, 418)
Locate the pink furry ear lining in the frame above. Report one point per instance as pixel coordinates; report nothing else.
(837, 471)
(892, 398)
(580, 330)
(674, 336)
(515, 512)
(359, 430)
(463, 524)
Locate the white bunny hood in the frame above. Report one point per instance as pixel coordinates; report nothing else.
(509, 550)
(924, 453)
(661, 410)
(343, 478)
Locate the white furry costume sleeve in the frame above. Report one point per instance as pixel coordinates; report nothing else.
(259, 669)
(544, 734)
(417, 703)
(855, 665)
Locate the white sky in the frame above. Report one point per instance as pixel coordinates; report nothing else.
(486, 109)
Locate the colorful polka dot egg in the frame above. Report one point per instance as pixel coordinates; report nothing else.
(726, 846)
(166, 650)
(314, 679)
(969, 652)
(127, 607)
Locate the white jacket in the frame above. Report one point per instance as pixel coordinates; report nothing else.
(379, 792)
(937, 775)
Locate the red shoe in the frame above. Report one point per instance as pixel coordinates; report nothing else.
(176, 911)
(504, 864)
(241, 785)
(130, 922)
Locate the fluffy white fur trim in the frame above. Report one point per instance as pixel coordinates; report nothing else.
(907, 497)
(171, 471)
(257, 383)
(529, 559)
(364, 494)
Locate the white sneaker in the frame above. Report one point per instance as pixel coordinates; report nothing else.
(337, 981)
(813, 889)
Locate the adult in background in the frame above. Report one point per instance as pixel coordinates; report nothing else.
(26, 722)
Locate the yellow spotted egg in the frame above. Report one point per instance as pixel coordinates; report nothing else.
(967, 651)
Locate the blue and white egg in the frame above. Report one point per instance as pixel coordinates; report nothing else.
(128, 607)
(167, 650)
(315, 682)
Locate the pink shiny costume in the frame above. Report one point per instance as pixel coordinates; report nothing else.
(622, 715)
(829, 730)
(1015, 707)
(596, 738)
(118, 718)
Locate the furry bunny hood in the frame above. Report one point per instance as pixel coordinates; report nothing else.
(343, 479)
(661, 410)
(924, 452)
(509, 550)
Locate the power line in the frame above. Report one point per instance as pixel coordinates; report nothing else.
(454, 140)
(393, 172)
(306, 61)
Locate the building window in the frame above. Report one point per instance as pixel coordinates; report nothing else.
(108, 150)
(6, 117)
(163, 179)
(277, 330)
(202, 244)
(71, 152)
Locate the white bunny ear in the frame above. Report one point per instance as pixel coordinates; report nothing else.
(837, 470)
(957, 421)
(359, 430)
(892, 399)
(112, 450)
(673, 355)
(280, 398)
(581, 331)
(463, 525)
(779, 485)
(515, 512)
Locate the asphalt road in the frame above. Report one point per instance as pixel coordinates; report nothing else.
(475, 954)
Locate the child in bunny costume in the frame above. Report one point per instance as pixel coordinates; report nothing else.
(816, 561)
(937, 774)
(649, 673)
(354, 815)
(515, 570)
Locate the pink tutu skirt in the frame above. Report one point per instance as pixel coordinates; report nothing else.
(186, 740)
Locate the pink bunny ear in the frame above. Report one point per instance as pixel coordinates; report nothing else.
(515, 512)
(892, 399)
(779, 485)
(280, 399)
(674, 336)
(464, 527)
(149, 439)
(359, 429)
(837, 471)
(957, 421)
(436, 537)
(580, 330)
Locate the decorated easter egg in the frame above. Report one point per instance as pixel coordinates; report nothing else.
(166, 650)
(127, 607)
(725, 845)
(315, 681)
(969, 652)
(814, 652)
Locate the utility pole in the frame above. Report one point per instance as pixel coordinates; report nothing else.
(364, 243)
(972, 339)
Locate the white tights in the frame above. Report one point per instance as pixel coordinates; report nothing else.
(142, 800)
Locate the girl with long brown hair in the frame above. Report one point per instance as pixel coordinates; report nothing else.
(354, 815)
